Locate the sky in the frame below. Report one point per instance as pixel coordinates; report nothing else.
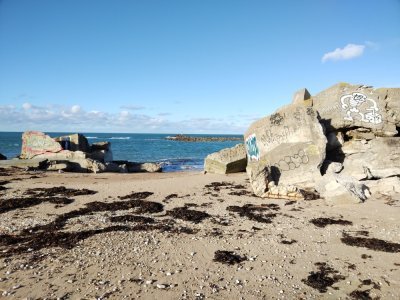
(183, 66)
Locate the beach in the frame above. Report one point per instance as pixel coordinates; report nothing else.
(188, 235)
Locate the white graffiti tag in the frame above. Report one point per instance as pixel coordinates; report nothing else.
(359, 107)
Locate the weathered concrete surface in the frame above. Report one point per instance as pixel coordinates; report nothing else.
(302, 97)
(230, 160)
(2, 157)
(77, 142)
(291, 142)
(260, 176)
(347, 106)
(339, 189)
(35, 143)
(34, 163)
(377, 158)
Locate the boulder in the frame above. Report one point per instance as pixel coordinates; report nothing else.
(339, 189)
(2, 157)
(143, 167)
(374, 159)
(116, 167)
(291, 142)
(34, 163)
(230, 160)
(35, 143)
(345, 106)
(260, 176)
(301, 97)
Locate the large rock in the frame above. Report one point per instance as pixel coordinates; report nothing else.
(339, 189)
(230, 160)
(260, 176)
(345, 106)
(291, 142)
(143, 167)
(374, 159)
(2, 157)
(35, 143)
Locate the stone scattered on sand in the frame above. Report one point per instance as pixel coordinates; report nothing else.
(230, 160)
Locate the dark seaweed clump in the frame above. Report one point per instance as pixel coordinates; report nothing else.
(362, 295)
(228, 257)
(253, 212)
(137, 196)
(287, 242)
(3, 183)
(186, 214)
(50, 235)
(58, 191)
(323, 222)
(325, 277)
(370, 243)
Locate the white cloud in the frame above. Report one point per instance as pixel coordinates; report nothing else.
(350, 51)
(75, 119)
(75, 109)
(26, 106)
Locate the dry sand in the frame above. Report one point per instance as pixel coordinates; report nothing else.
(277, 253)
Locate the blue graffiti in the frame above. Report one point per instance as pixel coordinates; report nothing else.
(251, 147)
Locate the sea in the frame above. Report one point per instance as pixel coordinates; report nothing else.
(174, 156)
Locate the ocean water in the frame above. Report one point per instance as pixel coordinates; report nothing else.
(174, 155)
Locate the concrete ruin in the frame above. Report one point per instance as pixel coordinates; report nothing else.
(338, 144)
(71, 153)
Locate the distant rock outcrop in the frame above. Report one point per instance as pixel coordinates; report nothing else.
(186, 138)
(328, 142)
(2, 157)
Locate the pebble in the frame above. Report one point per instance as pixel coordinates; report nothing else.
(161, 286)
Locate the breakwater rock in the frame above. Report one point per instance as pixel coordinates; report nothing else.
(186, 138)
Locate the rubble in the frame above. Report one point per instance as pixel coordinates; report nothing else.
(71, 153)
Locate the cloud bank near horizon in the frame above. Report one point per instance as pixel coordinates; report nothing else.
(60, 118)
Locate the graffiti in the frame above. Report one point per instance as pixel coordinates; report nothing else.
(276, 119)
(359, 107)
(251, 147)
(269, 138)
(293, 161)
(310, 112)
(297, 114)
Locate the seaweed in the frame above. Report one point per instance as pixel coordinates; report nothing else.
(370, 243)
(228, 257)
(186, 214)
(323, 222)
(253, 212)
(136, 196)
(325, 277)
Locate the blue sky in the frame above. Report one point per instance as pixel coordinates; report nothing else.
(207, 66)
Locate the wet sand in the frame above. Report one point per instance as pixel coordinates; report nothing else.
(188, 236)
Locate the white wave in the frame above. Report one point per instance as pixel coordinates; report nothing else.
(92, 137)
(119, 138)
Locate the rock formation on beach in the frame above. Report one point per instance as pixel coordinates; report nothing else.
(71, 153)
(337, 145)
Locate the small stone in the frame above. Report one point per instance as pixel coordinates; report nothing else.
(161, 286)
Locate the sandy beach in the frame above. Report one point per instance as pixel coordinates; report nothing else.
(138, 237)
